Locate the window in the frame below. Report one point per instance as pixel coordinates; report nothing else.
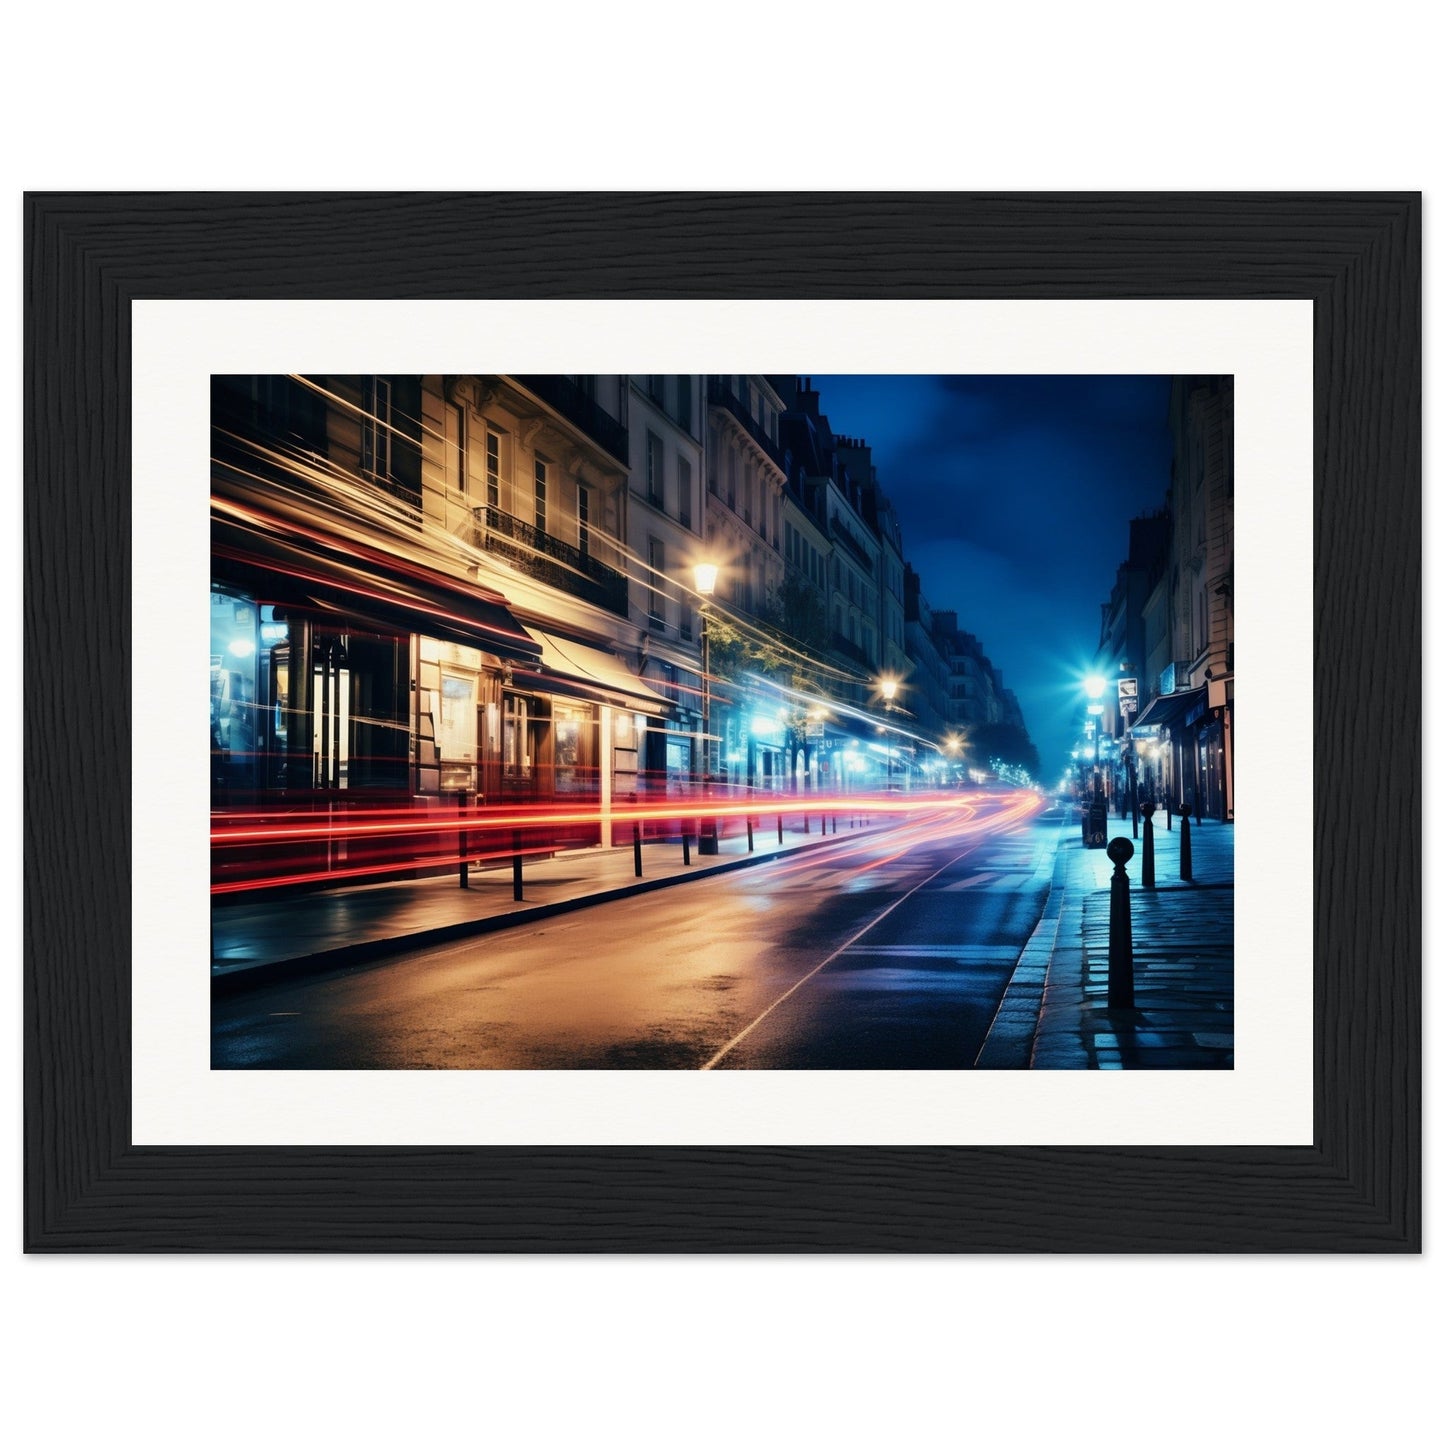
(684, 402)
(456, 447)
(516, 752)
(539, 472)
(684, 491)
(655, 561)
(376, 427)
(495, 447)
(654, 470)
(654, 388)
(584, 520)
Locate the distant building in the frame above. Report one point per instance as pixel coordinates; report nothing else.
(664, 528)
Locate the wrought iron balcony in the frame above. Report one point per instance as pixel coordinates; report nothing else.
(549, 560)
(842, 533)
(851, 650)
(564, 395)
(719, 393)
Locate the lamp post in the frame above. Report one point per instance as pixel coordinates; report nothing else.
(1094, 690)
(888, 686)
(1096, 827)
(705, 575)
(951, 746)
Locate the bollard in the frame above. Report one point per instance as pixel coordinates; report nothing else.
(686, 856)
(462, 842)
(1186, 853)
(516, 865)
(637, 849)
(1121, 930)
(750, 835)
(1168, 815)
(780, 830)
(806, 828)
(1147, 878)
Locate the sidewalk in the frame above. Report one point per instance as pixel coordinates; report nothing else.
(280, 937)
(1055, 1013)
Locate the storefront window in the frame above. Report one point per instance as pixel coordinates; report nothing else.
(516, 757)
(570, 735)
(234, 629)
(457, 733)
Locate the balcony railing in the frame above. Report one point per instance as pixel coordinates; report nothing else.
(850, 650)
(549, 560)
(564, 395)
(845, 535)
(720, 394)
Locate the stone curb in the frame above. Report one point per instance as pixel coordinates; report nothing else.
(241, 976)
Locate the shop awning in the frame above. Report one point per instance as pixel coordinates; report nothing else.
(580, 670)
(1170, 709)
(293, 568)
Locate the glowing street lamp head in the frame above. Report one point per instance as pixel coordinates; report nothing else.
(888, 686)
(1094, 685)
(706, 576)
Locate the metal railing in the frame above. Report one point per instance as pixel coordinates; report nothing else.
(719, 393)
(564, 395)
(550, 560)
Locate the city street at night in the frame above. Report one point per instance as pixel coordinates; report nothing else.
(572, 721)
(968, 933)
(884, 947)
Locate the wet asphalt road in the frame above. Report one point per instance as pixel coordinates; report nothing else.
(881, 951)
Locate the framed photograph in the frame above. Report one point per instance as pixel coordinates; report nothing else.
(1294, 1129)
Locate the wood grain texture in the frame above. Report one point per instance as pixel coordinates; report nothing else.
(1357, 257)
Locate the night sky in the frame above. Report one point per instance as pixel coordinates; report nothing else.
(1014, 494)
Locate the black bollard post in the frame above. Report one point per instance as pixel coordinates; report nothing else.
(1186, 854)
(516, 865)
(1147, 878)
(780, 830)
(1121, 929)
(1168, 815)
(462, 842)
(750, 835)
(637, 849)
(806, 828)
(686, 856)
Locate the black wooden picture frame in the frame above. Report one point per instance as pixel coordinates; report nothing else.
(1357, 1187)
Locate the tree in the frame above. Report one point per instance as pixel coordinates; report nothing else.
(784, 644)
(1006, 742)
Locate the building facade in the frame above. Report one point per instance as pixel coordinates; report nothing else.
(440, 596)
(1189, 614)
(420, 602)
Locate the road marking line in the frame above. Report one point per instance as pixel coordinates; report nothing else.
(728, 1047)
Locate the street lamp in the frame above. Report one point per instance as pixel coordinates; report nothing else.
(888, 686)
(952, 744)
(1094, 686)
(705, 575)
